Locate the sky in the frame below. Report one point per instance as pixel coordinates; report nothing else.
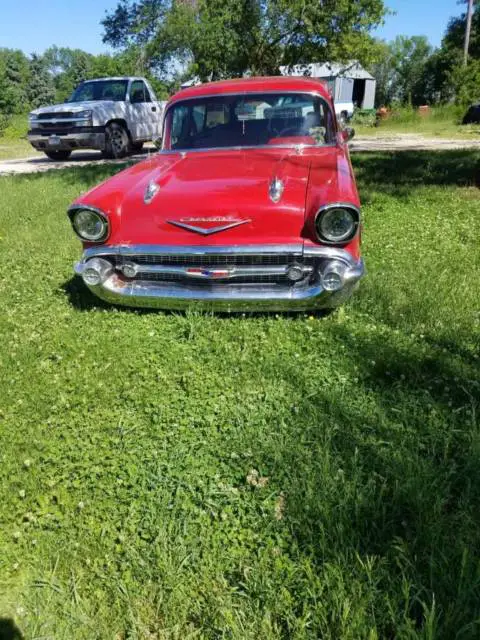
(34, 25)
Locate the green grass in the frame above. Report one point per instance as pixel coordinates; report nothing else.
(11, 149)
(13, 142)
(442, 122)
(132, 444)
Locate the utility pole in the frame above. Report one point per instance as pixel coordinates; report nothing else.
(468, 29)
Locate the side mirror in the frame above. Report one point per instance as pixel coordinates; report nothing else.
(158, 142)
(347, 134)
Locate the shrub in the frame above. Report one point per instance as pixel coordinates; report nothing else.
(4, 122)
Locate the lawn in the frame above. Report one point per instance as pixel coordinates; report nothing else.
(13, 142)
(430, 129)
(440, 122)
(180, 476)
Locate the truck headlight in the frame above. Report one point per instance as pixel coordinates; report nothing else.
(84, 115)
(32, 118)
(337, 224)
(89, 224)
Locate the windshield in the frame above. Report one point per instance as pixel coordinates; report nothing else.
(100, 90)
(249, 120)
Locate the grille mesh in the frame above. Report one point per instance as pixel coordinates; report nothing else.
(215, 261)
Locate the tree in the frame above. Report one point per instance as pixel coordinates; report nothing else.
(14, 77)
(221, 38)
(410, 56)
(40, 90)
(466, 81)
(444, 79)
(400, 72)
(455, 34)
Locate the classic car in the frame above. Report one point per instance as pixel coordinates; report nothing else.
(250, 204)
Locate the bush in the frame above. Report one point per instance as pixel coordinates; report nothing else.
(16, 127)
(408, 116)
(4, 122)
(364, 117)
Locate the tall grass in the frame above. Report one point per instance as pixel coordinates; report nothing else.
(16, 127)
(442, 120)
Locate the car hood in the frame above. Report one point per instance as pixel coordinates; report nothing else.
(212, 197)
(72, 106)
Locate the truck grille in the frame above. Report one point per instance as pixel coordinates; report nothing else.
(56, 116)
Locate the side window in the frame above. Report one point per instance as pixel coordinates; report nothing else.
(139, 92)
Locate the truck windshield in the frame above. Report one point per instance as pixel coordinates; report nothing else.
(100, 90)
(249, 120)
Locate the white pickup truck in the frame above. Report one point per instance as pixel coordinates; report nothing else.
(114, 115)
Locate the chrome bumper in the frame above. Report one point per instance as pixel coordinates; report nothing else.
(68, 141)
(117, 289)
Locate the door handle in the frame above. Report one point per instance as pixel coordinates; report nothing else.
(154, 108)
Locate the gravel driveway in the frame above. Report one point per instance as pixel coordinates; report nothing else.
(394, 142)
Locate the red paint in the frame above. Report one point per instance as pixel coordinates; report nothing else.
(230, 183)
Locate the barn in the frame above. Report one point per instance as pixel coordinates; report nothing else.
(348, 82)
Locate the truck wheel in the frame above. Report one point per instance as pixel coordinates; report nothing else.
(117, 142)
(136, 147)
(61, 154)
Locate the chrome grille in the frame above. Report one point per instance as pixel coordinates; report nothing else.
(173, 277)
(217, 261)
(214, 260)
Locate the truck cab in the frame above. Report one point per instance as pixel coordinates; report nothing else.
(113, 115)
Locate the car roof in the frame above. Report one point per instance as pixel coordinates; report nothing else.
(256, 85)
(114, 78)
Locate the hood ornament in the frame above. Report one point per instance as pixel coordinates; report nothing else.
(275, 190)
(207, 226)
(151, 191)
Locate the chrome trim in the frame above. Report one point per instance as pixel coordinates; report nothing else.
(117, 290)
(151, 191)
(207, 232)
(337, 205)
(275, 189)
(76, 207)
(194, 250)
(212, 272)
(59, 120)
(295, 147)
(224, 297)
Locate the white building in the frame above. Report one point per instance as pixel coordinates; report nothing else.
(348, 82)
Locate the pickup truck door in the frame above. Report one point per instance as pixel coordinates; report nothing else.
(144, 113)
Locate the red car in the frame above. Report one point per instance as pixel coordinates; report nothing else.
(251, 204)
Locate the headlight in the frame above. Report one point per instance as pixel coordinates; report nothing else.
(337, 224)
(89, 224)
(84, 115)
(32, 118)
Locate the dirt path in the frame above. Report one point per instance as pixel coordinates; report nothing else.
(394, 142)
(410, 141)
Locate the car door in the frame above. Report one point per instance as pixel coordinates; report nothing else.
(143, 111)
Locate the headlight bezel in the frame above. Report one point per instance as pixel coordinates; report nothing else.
(75, 210)
(86, 114)
(321, 215)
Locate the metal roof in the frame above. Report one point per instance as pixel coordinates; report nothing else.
(352, 69)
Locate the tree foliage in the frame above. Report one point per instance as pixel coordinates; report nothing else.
(221, 38)
(40, 90)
